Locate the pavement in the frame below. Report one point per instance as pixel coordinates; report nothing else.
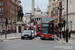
(73, 35)
(9, 37)
(70, 41)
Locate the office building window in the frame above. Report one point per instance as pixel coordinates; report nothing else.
(1, 9)
(1, 3)
(1, 15)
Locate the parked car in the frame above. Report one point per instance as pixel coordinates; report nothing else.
(27, 34)
(34, 33)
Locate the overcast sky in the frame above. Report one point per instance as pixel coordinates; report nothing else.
(28, 3)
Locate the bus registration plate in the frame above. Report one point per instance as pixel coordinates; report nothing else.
(47, 38)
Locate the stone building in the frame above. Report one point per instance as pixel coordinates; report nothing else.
(50, 7)
(71, 13)
(8, 9)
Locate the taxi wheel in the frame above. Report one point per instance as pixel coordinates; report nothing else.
(22, 37)
(30, 38)
(41, 38)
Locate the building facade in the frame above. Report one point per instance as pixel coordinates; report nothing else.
(57, 12)
(8, 9)
(50, 7)
(71, 13)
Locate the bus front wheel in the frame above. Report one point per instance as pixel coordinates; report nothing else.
(41, 38)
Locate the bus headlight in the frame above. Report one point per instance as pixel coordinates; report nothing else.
(52, 36)
(42, 36)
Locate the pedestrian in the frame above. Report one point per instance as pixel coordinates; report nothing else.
(69, 35)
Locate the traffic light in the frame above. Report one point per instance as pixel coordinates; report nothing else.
(64, 23)
(6, 21)
(60, 25)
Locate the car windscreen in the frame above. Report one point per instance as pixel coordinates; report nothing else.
(26, 31)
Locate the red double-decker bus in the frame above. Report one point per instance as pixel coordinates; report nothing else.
(36, 27)
(47, 28)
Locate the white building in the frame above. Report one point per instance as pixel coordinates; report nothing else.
(38, 14)
(37, 11)
(71, 13)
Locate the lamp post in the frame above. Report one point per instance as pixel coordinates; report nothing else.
(71, 26)
(6, 28)
(67, 22)
(64, 29)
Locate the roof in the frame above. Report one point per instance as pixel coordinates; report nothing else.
(37, 9)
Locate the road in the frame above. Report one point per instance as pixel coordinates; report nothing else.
(35, 44)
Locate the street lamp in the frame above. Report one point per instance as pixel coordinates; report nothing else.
(67, 22)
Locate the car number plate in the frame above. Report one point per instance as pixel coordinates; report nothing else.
(26, 36)
(47, 38)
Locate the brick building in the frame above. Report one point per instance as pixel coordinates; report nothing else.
(8, 9)
(56, 11)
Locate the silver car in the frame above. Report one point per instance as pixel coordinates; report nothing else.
(27, 34)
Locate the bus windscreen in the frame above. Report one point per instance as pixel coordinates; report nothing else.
(47, 20)
(47, 26)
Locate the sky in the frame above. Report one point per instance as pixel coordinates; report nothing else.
(26, 4)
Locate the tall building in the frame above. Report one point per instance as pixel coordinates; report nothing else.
(8, 9)
(50, 7)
